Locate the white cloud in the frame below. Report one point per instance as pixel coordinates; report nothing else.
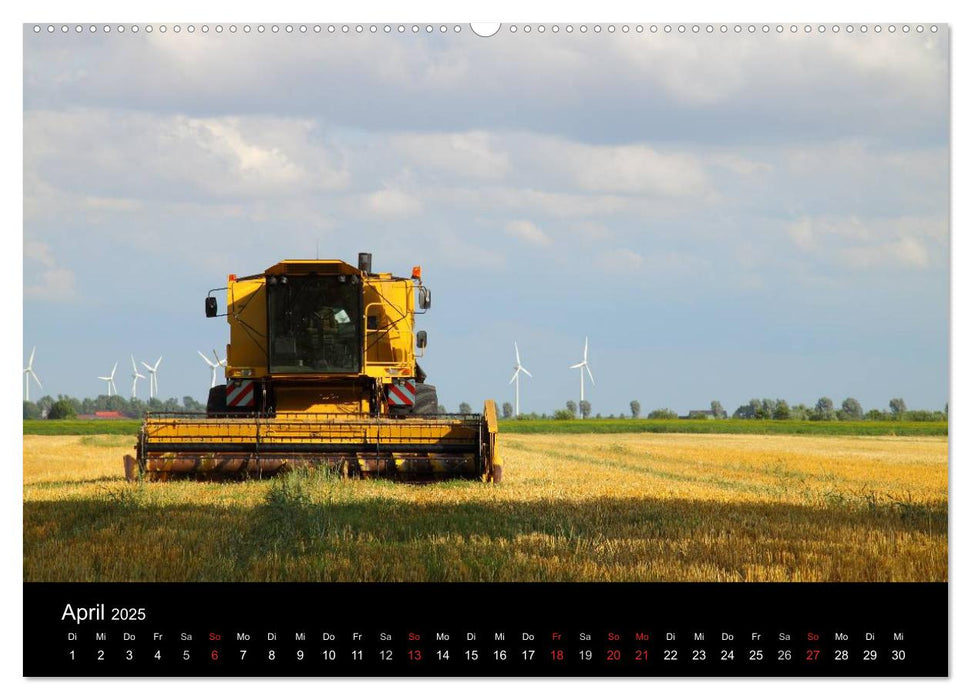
(904, 242)
(630, 169)
(44, 278)
(471, 154)
(391, 203)
(528, 232)
(142, 156)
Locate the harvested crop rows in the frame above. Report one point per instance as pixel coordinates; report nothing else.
(636, 507)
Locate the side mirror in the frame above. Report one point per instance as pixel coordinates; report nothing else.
(211, 307)
(421, 340)
(424, 298)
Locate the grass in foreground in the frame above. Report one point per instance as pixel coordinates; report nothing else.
(577, 427)
(81, 427)
(573, 507)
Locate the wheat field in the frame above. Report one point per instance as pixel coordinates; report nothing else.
(630, 507)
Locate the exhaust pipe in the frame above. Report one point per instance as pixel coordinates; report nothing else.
(364, 263)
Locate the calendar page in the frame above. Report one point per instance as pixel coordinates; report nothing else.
(526, 349)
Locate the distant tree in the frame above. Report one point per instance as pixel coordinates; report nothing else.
(635, 409)
(662, 414)
(717, 410)
(925, 415)
(799, 412)
(442, 409)
(876, 414)
(44, 403)
(465, 408)
(781, 410)
(62, 409)
(768, 409)
(824, 409)
(745, 411)
(189, 403)
(585, 408)
(507, 410)
(31, 410)
(563, 414)
(898, 408)
(572, 408)
(852, 410)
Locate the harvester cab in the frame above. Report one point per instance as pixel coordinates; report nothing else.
(322, 369)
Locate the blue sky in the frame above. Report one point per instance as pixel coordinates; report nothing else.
(724, 216)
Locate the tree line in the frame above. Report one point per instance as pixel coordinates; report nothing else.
(70, 407)
(756, 409)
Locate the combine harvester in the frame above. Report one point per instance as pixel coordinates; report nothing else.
(321, 371)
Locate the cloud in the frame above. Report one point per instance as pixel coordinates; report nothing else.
(391, 203)
(528, 232)
(907, 242)
(178, 157)
(470, 154)
(44, 278)
(630, 169)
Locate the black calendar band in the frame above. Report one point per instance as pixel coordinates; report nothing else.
(469, 629)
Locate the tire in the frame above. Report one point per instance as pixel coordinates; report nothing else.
(426, 400)
(216, 403)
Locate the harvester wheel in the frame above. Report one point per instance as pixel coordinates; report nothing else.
(426, 400)
(217, 400)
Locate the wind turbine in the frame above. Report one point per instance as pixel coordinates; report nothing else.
(111, 380)
(515, 377)
(153, 380)
(28, 373)
(135, 376)
(583, 366)
(213, 365)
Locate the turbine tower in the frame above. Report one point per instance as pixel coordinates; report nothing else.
(515, 377)
(28, 373)
(583, 366)
(135, 376)
(153, 377)
(213, 366)
(111, 380)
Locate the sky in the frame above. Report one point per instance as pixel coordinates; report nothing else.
(725, 216)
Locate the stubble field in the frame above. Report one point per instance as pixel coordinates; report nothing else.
(625, 507)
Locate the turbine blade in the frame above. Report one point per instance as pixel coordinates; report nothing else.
(591, 375)
(579, 364)
(30, 362)
(148, 367)
(113, 370)
(158, 362)
(526, 371)
(216, 355)
(585, 349)
(208, 361)
(517, 352)
(514, 375)
(133, 367)
(36, 379)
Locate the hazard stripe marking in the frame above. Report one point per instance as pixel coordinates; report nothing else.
(398, 397)
(241, 393)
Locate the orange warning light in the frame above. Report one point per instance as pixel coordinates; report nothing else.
(232, 278)
(416, 272)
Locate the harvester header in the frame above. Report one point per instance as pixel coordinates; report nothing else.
(322, 368)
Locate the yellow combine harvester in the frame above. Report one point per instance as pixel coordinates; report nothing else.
(321, 370)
